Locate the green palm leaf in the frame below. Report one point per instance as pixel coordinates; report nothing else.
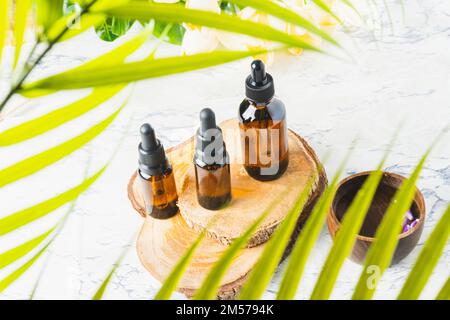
(99, 5)
(41, 160)
(427, 260)
(133, 71)
(307, 238)
(101, 290)
(21, 14)
(349, 4)
(16, 274)
(263, 270)
(60, 226)
(53, 119)
(25, 216)
(322, 5)
(14, 254)
(382, 250)
(211, 284)
(36, 212)
(444, 294)
(117, 55)
(345, 238)
(78, 25)
(84, 3)
(276, 10)
(48, 12)
(4, 24)
(170, 284)
(177, 14)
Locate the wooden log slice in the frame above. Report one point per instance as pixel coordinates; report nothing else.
(162, 243)
(249, 197)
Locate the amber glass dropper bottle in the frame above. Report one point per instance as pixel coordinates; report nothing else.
(156, 176)
(262, 124)
(212, 166)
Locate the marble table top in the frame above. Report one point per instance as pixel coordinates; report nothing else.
(399, 76)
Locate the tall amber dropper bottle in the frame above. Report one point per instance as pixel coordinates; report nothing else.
(262, 123)
(156, 176)
(212, 165)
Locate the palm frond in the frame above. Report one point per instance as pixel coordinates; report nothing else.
(428, 258)
(16, 274)
(14, 254)
(59, 228)
(24, 217)
(4, 24)
(101, 290)
(20, 218)
(22, 13)
(264, 268)
(211, 284)
(345, 238)
(77, 25)
(276, 10)
(48, 12)
(99, 5)
(134, 71)
(326, 8)
(41, 160)
(177, 14)
(119, 54)
(170, 284)
(382, 250)
(444, 294)
(350, 4)
(115, 56)
(307, 238)
(350, 226)
(53, 119)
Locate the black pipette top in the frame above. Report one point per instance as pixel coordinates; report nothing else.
(259, 85)
(152, 158)
(209, 141)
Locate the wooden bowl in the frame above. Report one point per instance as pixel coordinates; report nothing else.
(389, 184)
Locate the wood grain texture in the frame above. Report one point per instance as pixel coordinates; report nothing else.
(249, 196)
(389, 184)
(162, 243)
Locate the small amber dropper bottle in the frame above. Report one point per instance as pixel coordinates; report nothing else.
(262, 124)
(156, 176)
(212, 165)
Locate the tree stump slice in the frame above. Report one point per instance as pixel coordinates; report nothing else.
(161, 243)
(249, 197)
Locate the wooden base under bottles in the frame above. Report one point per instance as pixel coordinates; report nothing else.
(162, 243)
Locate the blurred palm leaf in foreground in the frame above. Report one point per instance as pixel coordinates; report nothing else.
(379, 254)
(110, 73)
(49, 23)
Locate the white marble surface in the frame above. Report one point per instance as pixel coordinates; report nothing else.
(400, 75)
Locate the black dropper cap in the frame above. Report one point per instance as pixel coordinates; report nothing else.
(259, 85)
(209, 140)
(152, 158)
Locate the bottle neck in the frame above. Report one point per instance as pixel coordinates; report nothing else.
(259, 103)
(147, 172)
